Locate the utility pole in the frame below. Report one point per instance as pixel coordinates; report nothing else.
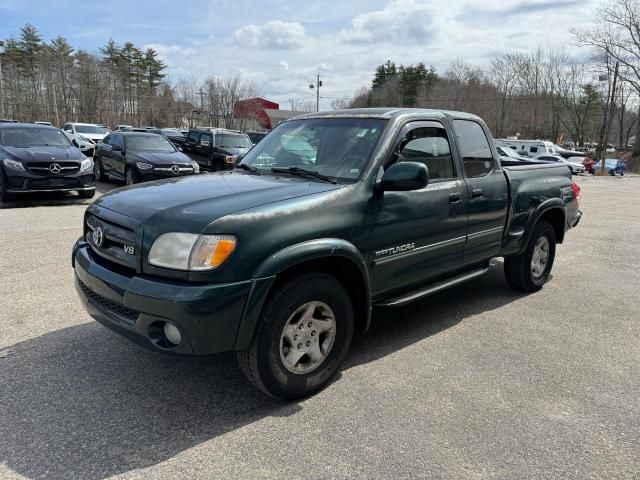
(316, 87)
(1, 85)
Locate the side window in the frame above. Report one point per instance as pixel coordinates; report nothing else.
(67, 128)
(192, 137)
(205, 139)
(429, 145)
(474, 147)
(533, 149)
(119, 141)
(107, 140)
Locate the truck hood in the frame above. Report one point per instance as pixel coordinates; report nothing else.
(189, 204)
(43, 153)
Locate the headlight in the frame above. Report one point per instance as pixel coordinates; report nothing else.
(86, 140)
(87, 164)
(196, 167)
(13, 164)
(144, 165)
(231, 159)
(188, 251)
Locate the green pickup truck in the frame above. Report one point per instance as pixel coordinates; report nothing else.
(283, 258)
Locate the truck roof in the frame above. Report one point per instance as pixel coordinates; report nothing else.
(388, 113)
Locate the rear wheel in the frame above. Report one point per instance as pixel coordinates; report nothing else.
(530, 270)
(301, 339)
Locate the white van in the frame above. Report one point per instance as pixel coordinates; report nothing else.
(529, 148)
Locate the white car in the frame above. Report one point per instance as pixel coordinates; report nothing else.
(573, 166)
(85, 136)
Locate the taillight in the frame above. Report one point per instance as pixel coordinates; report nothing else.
(576, 191)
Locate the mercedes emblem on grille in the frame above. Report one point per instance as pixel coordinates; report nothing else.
(98, 237)
(54, 168)
(175, 169)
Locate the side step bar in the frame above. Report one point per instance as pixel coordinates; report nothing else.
(409, 297)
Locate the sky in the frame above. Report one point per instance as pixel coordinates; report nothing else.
(282, 44)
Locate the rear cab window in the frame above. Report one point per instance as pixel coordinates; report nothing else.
(474, 148)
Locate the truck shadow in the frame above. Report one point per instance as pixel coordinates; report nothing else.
(84, 403)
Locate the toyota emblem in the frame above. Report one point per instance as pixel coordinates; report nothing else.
(175, 169)
(54, 168)
(98, 237)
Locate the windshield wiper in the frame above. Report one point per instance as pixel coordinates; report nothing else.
(249, 168)
(304, 171)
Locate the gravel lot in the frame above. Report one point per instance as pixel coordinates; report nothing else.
(476, 382)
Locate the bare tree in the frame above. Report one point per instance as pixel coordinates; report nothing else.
(618, 37)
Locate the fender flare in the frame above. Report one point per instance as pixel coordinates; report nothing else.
(291, 256)
(544, 207)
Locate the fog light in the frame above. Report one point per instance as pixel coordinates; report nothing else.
(172, 333)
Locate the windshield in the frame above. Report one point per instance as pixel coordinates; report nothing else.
(29, 137)
(234, 140)
(148, 143)
(167, 132)
(90, 129)
(336, 147)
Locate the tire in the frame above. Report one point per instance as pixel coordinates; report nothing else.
(87, 193)
(4, 195)
(265, 362)
(130, 177)
(98, 171)
(519, 269)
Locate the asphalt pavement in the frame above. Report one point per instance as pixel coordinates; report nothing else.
(475, 382)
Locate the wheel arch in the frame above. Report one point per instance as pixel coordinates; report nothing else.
(554, 212)
(335, 257)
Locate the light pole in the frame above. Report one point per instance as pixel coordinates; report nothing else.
(317, 89)
(1, 85)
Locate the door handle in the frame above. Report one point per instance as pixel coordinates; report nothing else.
(476, 193)
(455, 197)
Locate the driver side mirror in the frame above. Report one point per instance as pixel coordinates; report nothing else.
(405, 176)
(116, 148)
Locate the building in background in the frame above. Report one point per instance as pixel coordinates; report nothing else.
(261, 114)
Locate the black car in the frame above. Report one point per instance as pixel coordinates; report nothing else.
(38, 158)
(216, 148)
(255, 137)
(136, 157)
(174, 135)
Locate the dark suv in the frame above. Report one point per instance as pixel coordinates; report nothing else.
(38, 158)
(216, 148)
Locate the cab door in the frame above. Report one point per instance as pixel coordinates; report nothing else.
(418, 235)
(487, 191)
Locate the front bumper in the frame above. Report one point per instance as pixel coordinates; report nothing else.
(24, 181)
(208, 317)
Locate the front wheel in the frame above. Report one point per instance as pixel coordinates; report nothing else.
(301, 339)
(5, 196)
(98, 170)
(87, 193)
(130, 177)
(529, 271)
